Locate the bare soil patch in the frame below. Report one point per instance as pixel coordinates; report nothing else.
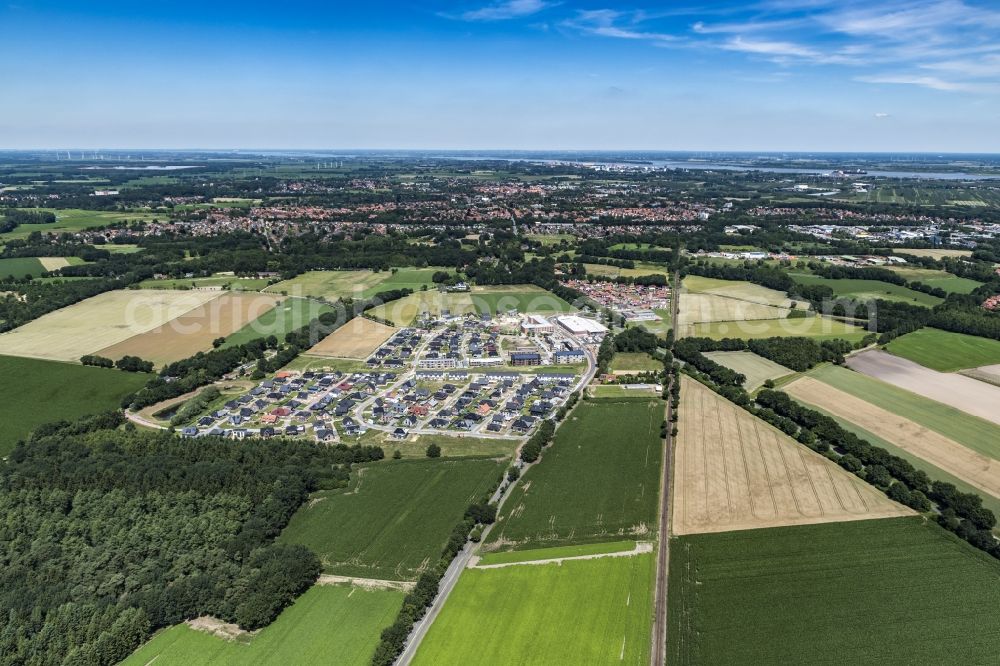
(733, 471)
(367, 583)
(217, 627)
(958, 391)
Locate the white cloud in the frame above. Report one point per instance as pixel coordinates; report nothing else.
(904, 21)
(616, 24)
(882, 115)
(502, 11)
(987, 67)
(932, 82)
(763, 47)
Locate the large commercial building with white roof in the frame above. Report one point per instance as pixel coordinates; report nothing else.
(581, 326)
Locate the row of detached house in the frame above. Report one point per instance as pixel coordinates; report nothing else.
(287, 405)
(499, 402)
(471, 342)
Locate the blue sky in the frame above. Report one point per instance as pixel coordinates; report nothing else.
(526, 74)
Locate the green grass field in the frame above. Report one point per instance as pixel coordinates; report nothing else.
(231, 281)
(598, 481)
(34, 392)
(551, 239)
(868, 290)
(75, 219)
(394, 518)
(935, 278)
(523, 298)
(944, 351)
(620, 392)
(121, 248)
(451, 446)
(523, 301)
(756, 369)
(581, 550)
(329, 624)
(577, 612)
(641, 268)
(635, 362)
(21, 267)
(890, 591)
(977, 434)
(637, 246)
(287, 316)
(332, 285)
(817, 328)
(406, 278)
(744, 291)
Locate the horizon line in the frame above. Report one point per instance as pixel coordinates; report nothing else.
(767, 151)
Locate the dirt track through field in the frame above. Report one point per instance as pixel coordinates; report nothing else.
(640, 548)
(942, 452)
(958, 391)
(734, 471)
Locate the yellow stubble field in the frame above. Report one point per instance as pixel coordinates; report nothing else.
(733, 471)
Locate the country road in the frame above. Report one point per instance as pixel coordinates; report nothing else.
(445, 586)
(659, 650)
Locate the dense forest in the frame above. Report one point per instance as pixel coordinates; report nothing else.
(108, 534)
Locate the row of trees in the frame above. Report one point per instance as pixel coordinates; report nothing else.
(767, 276)
(12, 218)
(799, 354)
(962, 513)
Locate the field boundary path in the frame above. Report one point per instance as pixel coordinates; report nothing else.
(658, 654)
(640, 548)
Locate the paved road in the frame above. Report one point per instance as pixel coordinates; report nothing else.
(659, 651)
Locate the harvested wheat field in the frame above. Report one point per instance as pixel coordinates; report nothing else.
(958, 391)
(984, 373)
(99, 322)
(357, 338)
(974, 468)
(195, 330)
(53, 263)
(733, 471)
(935, 253)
